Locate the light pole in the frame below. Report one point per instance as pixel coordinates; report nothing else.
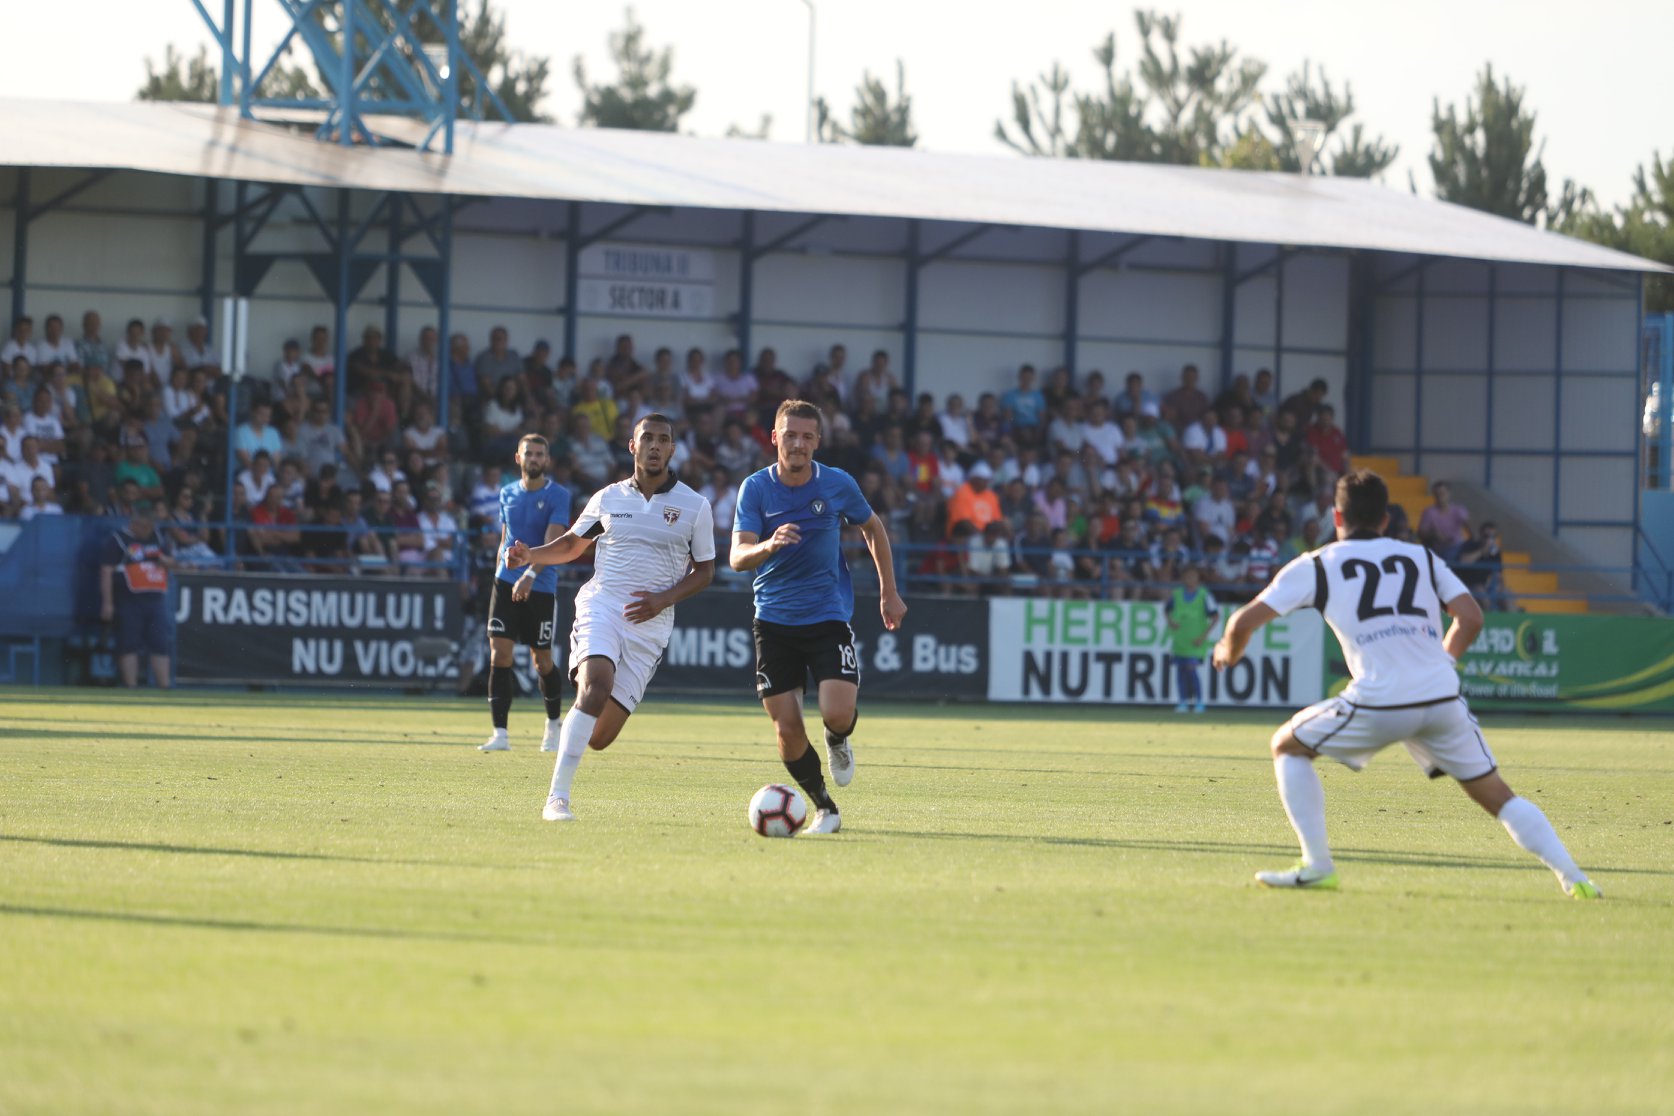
(809, 4)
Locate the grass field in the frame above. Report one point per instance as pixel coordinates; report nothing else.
(215, 903)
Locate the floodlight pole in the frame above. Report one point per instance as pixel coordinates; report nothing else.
(809, 134)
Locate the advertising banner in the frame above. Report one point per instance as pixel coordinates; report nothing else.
(1118, 652)
(1579, 663)
(936, 655)
(309, 629)
(643, 281)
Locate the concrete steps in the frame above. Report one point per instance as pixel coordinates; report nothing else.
(1531, 590)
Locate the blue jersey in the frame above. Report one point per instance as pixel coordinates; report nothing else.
(807, 583)
(525, 514)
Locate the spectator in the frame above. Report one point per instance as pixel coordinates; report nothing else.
(1238, 395)
(891, 456)
(273, 534)
(624, 371)
(1187, 401)
(464, 381)
(438, 530)
(598, 409)
(255, 435)
(136, 465)
(975, 501)
(1103, 434)
(320, 358)
(1301, 406)
(43, 424)
(1262, 558)
(373, 420)
(1204, 441)
(326, 544)
(989, 556)
(1135, 399)
(1275, 520)
(877, 380)
(955, 422)
(923, 463)
(1481, 568)
(91, 350)
(321, 442)
(1264, 392)
(424, 364)
(42, 501)
(589, 454)
(989, 423)
(257, 479)
(737, 454)
(21, 343)
(1445, 526)
(425, 438)
(734, 391)
(134, 347)
(161, 435)
(1067, 431)
(1328, 441)
(287, 368)
(1215, 513)
(697, 386)
(1024, 406)
(195, 351)
(387, 473)
(950, 474)
(17, 478)
(538, 376)
(924, 419)
(54, 347)
(164, 355)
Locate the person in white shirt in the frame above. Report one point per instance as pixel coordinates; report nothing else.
(164, 354)
(1215, 513)
(12, 432)
(134, 346)
(286, 368)
(54, 346)
(439, 530)
(41, 501)
(655, 547)
(1384, 600)
(21, 343)
(956, 422)
(42, 424)
(257, 479)
(425, 438)
(425, 362)
(20, 475)
(837, 370)
(1068, 431)
(196, 351)
(1102, 433)
(1204, 440)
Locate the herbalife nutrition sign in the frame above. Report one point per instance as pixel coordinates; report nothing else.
(639, 281)
(1119, 652)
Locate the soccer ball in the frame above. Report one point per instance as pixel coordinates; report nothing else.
(778, 811)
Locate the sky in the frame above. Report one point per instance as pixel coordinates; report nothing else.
(1596, 74)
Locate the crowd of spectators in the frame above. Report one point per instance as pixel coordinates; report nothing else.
(1060, 485)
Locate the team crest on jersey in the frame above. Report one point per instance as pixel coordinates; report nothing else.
(671, 516)
(819, 507)
(540, 505)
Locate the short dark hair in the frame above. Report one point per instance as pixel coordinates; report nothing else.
(528, 438)
(656, 417)
(795, 408)
(1363, 499)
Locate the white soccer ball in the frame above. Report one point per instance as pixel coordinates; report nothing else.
(778, 811)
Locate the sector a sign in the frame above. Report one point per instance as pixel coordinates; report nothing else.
(645, 281)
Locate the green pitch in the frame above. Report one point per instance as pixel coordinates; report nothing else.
(252, 903)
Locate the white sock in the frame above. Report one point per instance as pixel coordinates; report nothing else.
(1528, 826)
(1304, 799)
(572, 745)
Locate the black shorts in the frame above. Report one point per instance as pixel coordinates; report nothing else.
(142, 624)
(786, 654)
(527, 622)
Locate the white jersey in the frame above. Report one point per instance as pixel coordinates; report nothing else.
(646, 542)
(1384, 600)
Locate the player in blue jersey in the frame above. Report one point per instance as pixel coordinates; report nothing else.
(788, 528)
(534, 510)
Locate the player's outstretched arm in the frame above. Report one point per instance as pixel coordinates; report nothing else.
(565, 548)
(747, 552)
(1245, 623)
(890, 604)
(647, 604)
(1467, 623)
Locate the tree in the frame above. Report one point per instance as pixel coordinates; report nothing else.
(876, 120)
(519, 81)
(1487, 158)
(1179, 111)
(198, 82)
(1644, 227)
(1303, 98)
(642, 97)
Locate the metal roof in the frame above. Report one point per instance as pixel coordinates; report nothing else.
(646, 168)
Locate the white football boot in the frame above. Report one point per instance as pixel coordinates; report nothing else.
(840, 753)
(825, 821)
(557, 809)
(498, 742)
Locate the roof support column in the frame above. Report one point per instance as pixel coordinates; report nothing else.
(909, 327)
(20, 242)
(392, 277)
(344, 247)
(1488, 409)
(572, 264)
(746, 285)
(1229, 307)
(1418, 374)
(1072, 300)
(1279, 323)
(444, 323)
(211, 202)
(1558, 399)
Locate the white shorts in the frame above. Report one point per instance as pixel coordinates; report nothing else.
(1442, 737)
(601, 630)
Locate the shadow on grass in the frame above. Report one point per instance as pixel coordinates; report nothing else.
(191, 923)
(196, 734)
(1227, 848)
(198, 850)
